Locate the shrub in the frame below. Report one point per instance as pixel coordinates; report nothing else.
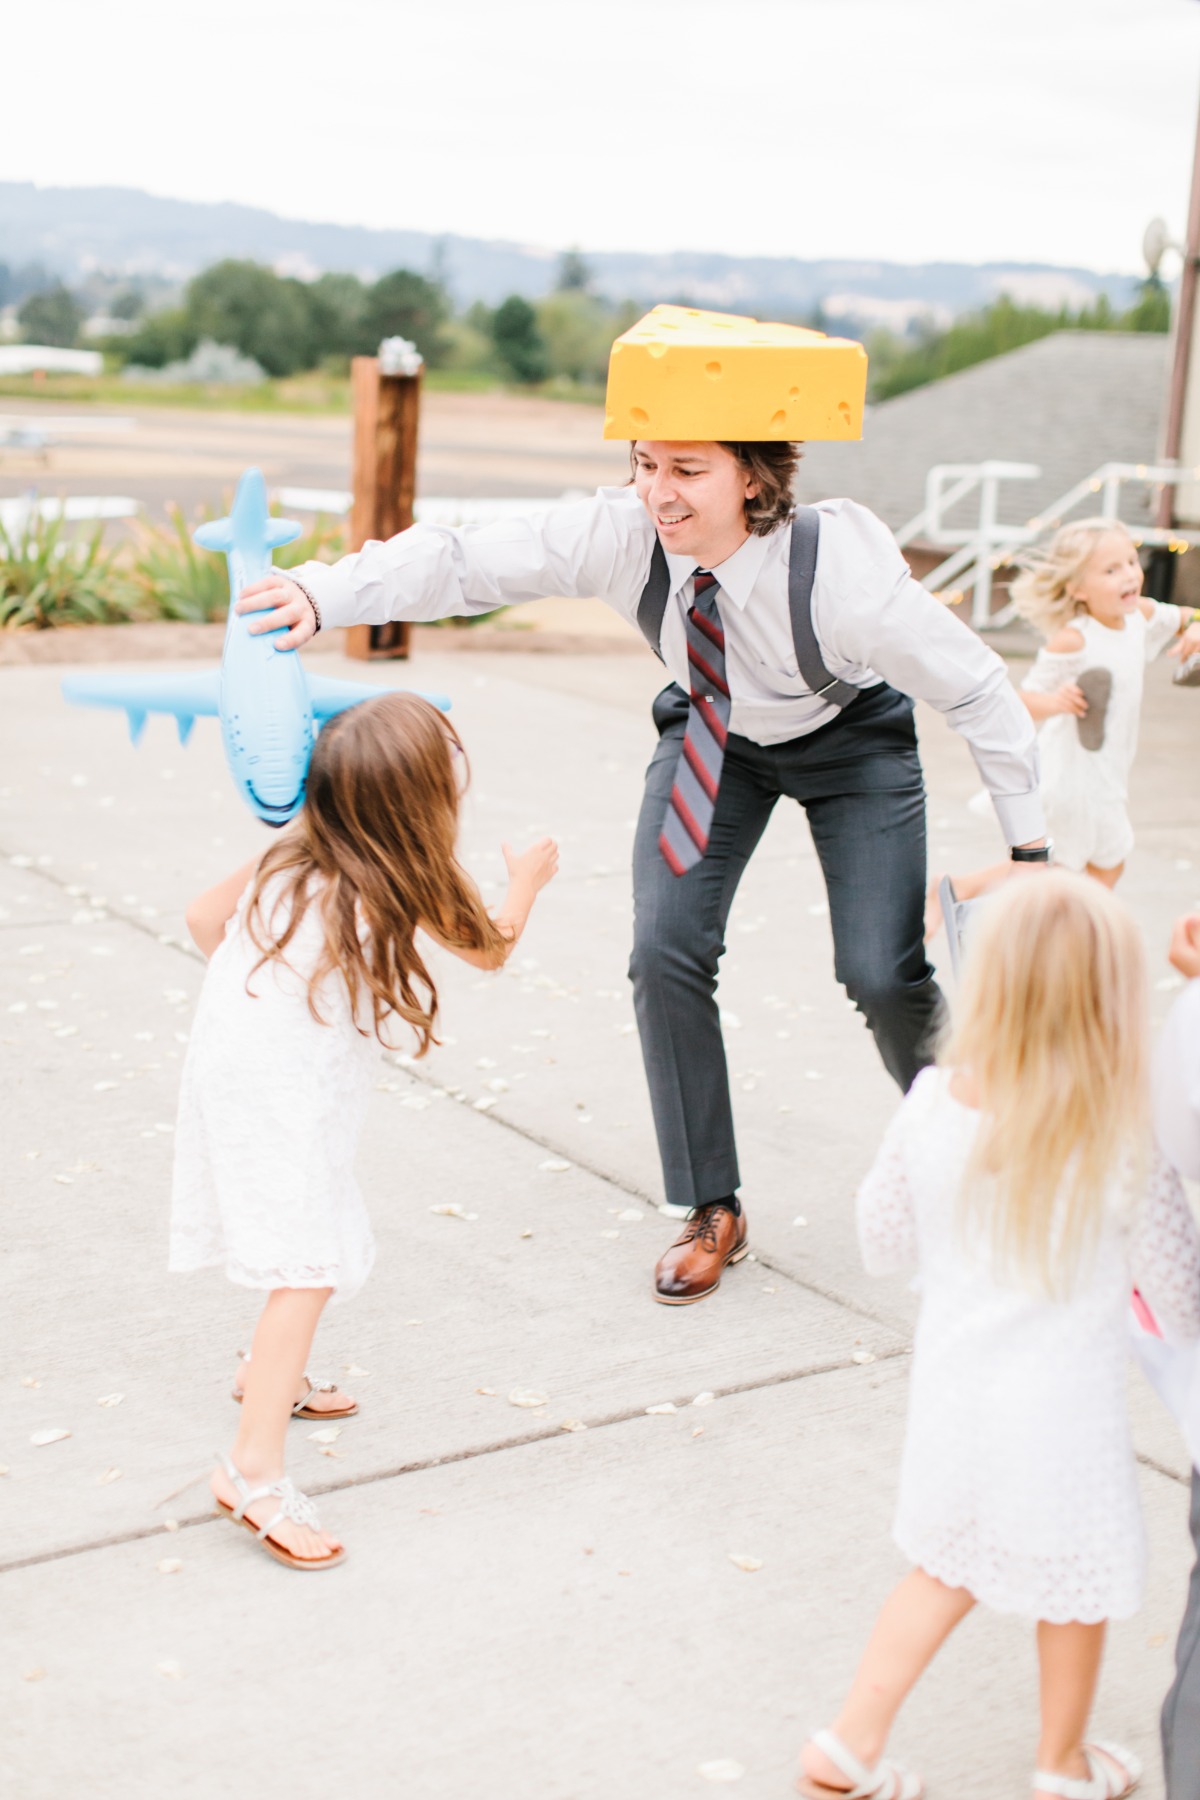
(49, 577)
(175, 579)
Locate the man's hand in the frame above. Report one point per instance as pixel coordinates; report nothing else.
(1184, 953)
(289, 606)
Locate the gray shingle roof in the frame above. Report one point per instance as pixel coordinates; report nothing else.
(1068, 403)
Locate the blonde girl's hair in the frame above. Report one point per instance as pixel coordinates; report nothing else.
(375, 846)
(1051, 1023)
(1041, 592)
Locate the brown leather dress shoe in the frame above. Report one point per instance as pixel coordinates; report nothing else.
(713, 1238)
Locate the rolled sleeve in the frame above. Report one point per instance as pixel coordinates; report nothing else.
(593, 547)
(885, 620)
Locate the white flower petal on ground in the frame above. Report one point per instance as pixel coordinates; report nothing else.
(485, 1062)
(633, 1215)
(414, 1102)
(170, 1669)
(573, 1425)
(799, 1219)
(667, 1406)
(328, 1434)
(486, 1104)
(110, 1400)
(610, 1234)
(555, 1166)
(723, 1769)
(730, 1022)
(170, 1565)
(448, 1209)
(862, 1356)
(35, 1674)
(485, 1391)
(527, 1397)
(499, 1085)
(748, 1564)
(108, 1477)
(353, 1370)
(704, 1399)
(51, 1436)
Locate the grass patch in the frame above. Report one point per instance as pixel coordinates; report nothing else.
(315, 392)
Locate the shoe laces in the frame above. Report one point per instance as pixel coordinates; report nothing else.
(703, 1227)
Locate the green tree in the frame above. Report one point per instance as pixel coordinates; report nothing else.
(578, 331)
(162, 337)
(404, 304)
(335, 306)
(264, 315)
(574, 276)
(52, 317)
(1151, 311)
(130, 303)
(519, 343)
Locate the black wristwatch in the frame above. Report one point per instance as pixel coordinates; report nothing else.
(1023, 853)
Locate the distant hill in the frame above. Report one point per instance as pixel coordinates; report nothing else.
(75, 231)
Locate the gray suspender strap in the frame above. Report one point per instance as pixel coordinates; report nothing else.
(652, 607)
(806, 525)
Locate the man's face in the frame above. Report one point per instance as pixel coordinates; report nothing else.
(696, 495)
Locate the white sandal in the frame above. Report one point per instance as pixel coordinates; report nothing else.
(884, 1782)
(1098, 1783)
(302, 1409)
(293, 1505)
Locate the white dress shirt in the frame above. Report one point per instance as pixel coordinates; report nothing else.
(872, 619)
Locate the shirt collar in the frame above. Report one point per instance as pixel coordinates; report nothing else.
(737, 574)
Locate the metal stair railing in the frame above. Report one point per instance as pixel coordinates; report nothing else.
(986, 545)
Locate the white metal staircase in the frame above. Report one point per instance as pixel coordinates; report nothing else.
(985, 545)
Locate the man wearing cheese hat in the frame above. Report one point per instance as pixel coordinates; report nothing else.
(796, 641)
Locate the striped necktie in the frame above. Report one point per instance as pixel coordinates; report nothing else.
(684, 836)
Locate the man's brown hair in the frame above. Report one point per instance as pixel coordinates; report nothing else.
(773, 467)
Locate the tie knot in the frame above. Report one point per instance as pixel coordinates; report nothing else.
(702, 580)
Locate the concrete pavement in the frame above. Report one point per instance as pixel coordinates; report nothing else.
(526, 1610)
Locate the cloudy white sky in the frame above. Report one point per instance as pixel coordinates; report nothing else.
(908, 130)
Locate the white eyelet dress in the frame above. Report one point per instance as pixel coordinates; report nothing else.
(1018, 1479)
(1086, 792)
(271, 1107)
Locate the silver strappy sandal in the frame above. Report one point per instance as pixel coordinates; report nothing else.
(1111, 1775)
(293, 1505)
(886, 1781)
(302, 1408)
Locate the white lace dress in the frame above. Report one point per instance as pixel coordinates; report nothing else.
(271, 1107)
(1018, 1479)
(1086, 792)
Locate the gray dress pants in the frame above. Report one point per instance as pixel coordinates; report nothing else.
(859, 780)
(1181, 1709)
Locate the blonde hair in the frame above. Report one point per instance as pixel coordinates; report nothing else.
(375, 843)
(1051, 1023)
(1040, 592)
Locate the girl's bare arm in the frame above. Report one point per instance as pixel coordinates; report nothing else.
(211, 911)
(527, 875)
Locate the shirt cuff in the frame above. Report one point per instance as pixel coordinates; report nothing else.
(1021, 817)
(331, 591)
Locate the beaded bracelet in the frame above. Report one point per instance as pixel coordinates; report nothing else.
(307, 595)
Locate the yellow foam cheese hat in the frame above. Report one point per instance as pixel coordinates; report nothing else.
(680, 375)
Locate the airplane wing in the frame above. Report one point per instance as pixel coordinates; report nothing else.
(185, 697)
(332, 697)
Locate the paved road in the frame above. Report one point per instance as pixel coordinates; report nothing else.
(527, 1612)
(471, 444)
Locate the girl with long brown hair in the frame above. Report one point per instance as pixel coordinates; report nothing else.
(1019, 1177)
(315, 962)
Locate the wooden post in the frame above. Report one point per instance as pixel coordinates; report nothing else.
(386, 409)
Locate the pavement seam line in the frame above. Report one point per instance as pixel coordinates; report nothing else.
(548, 1434)
(492, 1118)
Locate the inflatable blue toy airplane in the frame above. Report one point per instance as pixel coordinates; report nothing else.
(268, 707)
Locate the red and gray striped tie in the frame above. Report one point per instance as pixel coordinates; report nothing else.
(684, 836)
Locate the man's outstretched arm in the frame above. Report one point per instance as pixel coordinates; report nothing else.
(598, 546)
